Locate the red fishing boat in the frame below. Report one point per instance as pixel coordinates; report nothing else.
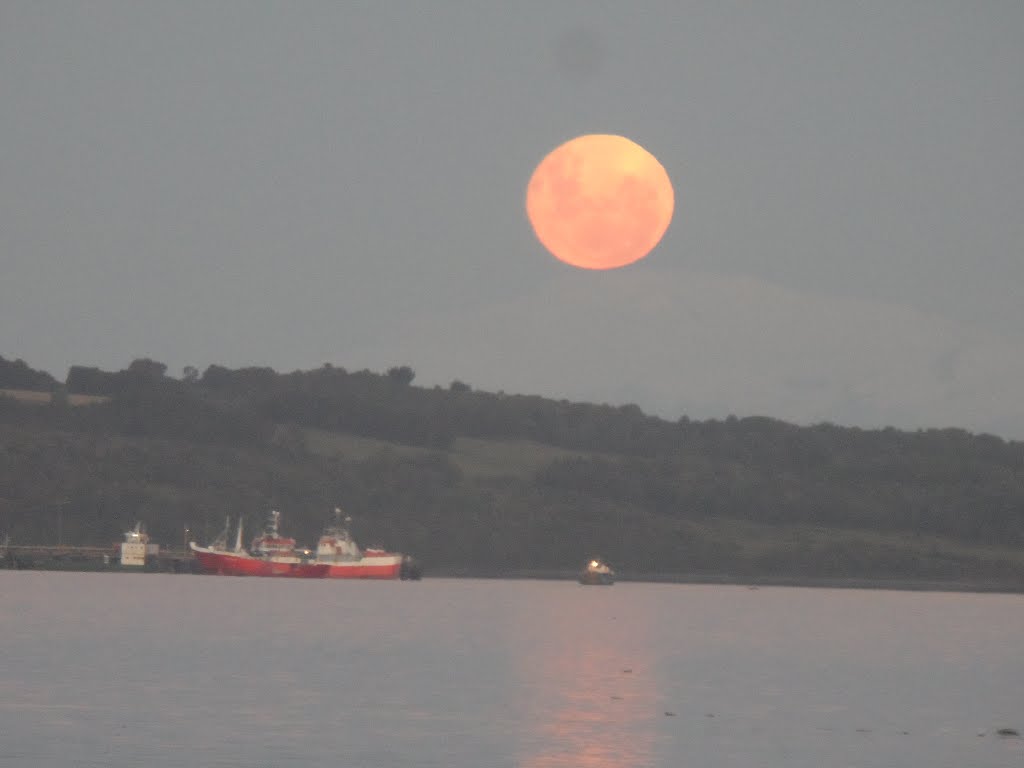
(270, 554)
(338, 551)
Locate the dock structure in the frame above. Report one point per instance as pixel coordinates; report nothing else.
(69, 558)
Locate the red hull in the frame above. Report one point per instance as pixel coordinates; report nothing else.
(389, 567)
(243, 564)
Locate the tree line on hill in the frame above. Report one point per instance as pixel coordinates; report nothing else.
(740, 495)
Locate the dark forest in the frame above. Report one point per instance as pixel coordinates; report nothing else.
(486, 483)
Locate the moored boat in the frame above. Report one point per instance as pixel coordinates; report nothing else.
(343, 558)
(137, 551)
(597, 573)
(270, 554)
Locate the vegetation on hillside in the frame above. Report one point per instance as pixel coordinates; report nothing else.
(484, 482)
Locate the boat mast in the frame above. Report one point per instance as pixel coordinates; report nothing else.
(238, 537)
(221, 542)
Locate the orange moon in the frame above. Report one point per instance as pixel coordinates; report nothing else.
(599, 201)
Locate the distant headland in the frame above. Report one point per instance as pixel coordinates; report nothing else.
(489, 483)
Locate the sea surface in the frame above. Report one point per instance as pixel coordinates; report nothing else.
(100, 669)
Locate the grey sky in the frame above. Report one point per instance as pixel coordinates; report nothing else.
(289, 184)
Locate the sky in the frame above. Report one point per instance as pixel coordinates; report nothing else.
(293, 184)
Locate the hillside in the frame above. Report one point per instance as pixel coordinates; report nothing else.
(487, 483)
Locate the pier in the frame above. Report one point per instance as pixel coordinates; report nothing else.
(62, 557)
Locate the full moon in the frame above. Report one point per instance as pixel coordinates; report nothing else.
(599, 201)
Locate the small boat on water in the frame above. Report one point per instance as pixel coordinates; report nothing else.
(270, 554)
(597, 573)
(344, 559)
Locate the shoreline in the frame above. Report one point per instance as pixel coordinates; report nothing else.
(753, 582)
(981, 586)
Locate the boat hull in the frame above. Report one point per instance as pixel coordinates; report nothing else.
(374, 567)
(243, 564)
(596, 579)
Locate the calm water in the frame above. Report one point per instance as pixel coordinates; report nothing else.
(162, 670)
